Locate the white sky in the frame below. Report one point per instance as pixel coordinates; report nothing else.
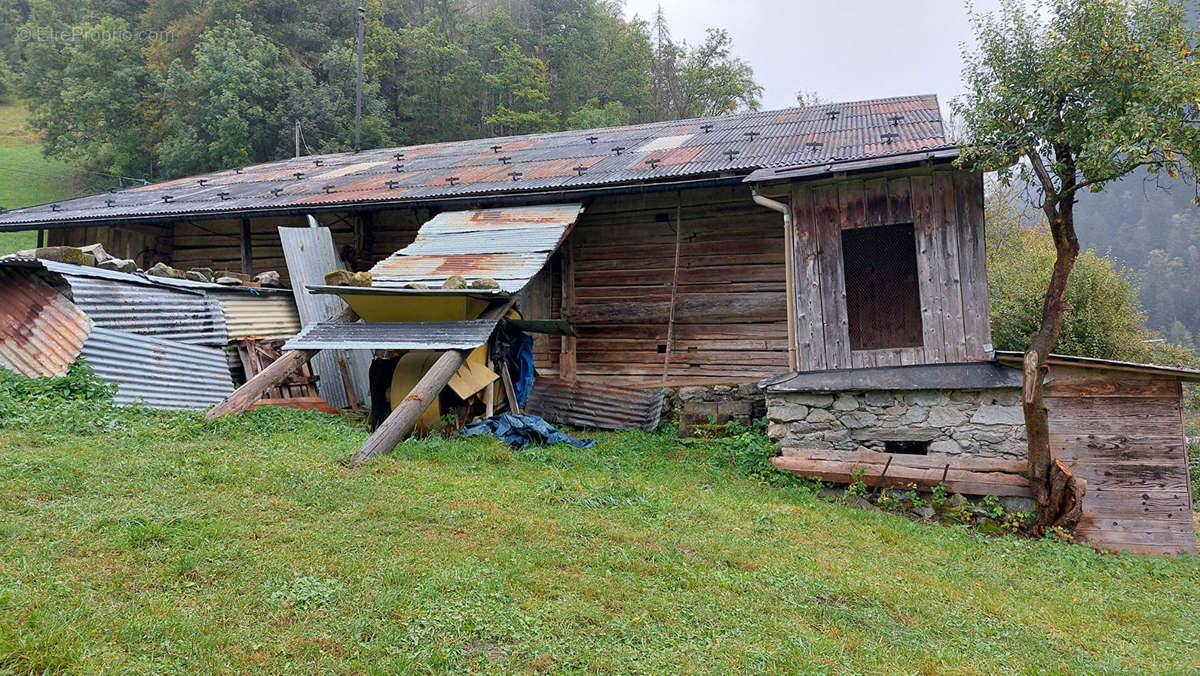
(844, 50)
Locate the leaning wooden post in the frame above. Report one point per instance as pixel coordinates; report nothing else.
(287, 364)
(423, 394)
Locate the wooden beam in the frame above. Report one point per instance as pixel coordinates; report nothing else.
(999, 479)
(247, 250)
(269, 377)
(243, 397)
(566, 359)
(423, 394)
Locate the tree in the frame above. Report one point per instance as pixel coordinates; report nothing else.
(522, 90)
(231, 108)
(94, 113)
(592, 115)
(1071, 95)
(1102, 318)
(702, 81)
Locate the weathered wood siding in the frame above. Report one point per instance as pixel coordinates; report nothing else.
(714, 313)
(945, 207)
(1123, 433)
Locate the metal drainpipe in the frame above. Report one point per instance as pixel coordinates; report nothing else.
(789, 272)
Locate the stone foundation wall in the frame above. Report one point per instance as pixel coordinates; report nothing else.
(953, 422)
(701, 406)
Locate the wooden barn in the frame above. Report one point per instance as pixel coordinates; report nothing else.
(832, 252)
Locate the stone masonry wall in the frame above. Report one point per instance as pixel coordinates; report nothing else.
(954, 422)
(702, 406)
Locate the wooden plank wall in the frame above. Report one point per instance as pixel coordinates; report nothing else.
(945, 207)
(1123, 433)
(730, 308)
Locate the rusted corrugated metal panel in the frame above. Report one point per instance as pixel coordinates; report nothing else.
(584, 404)
(465, 335)
(310, 255)
(41, 330)
(159, 373)
(266, 317)
(813, 135)
(507, 245)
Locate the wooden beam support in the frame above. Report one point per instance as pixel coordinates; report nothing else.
(247, 250)
(243, 397)
(281, 368)
(566, 358)
(423, 394)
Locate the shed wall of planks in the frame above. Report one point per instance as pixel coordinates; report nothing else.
(945, 207)
(1123, 433)
(730, 309)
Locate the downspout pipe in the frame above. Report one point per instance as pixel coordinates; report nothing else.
(789, 271)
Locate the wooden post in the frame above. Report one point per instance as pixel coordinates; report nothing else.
(247, 249)
(566, 359)
(350, 394)
(407, 412)
(253, 390)
(281, 368)
(510, 392)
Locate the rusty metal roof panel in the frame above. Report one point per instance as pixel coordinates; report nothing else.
(165, 374)
(464, 335)
(41, 330)
(610, 157)
(507, 245)
(584, 404)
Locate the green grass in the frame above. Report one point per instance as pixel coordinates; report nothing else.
(148, 542)
(27, 177)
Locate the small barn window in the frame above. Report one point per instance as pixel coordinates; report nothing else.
(883, 295)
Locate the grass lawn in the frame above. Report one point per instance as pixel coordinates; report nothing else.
(149, 542)
(27, 177)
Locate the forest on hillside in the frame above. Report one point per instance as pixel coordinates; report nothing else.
(154, 89)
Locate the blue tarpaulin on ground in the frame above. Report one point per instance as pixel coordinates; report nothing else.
(520, 430)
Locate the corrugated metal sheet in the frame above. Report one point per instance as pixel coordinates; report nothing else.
(654, 152)
(310, 254)
(584, 404)
(41, 330)
(465, 335)
(159, 373)
(270, 317)
(174, 314)
(507, 245)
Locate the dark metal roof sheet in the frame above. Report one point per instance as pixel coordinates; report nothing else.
(593, 405)
(1017, 359)
(961, 376)
(634, 154)
(158, 373)
(464, 335)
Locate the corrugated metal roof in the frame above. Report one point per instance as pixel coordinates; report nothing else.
(507, 245)
(310, 254)
(644, 153)
(464, 335)
(585, 404)
(41, 330)
(1016, 360)
(271, 317)
(159, 373)
(148, 310)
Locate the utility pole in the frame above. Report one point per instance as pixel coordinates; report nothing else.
(297, 135)
(362, 21)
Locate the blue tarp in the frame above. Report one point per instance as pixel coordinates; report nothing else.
(520, 430)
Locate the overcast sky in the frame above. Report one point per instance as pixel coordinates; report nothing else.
(844, 50)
